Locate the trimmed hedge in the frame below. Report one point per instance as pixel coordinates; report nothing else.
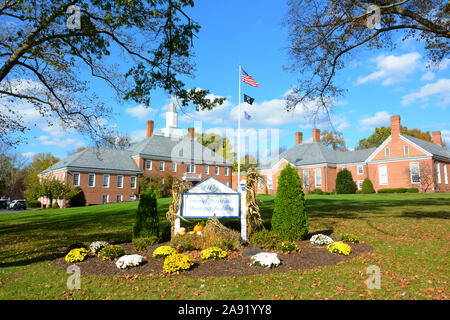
(367, 186)
(33, 204)
(345, 183)
(398, 190)
(146, 222)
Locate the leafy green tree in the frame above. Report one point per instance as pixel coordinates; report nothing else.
(53, 189)
(344, 182)
(44, 48)
(334, 139)
(289, 217)
(41, 162)
(367, 186)
(75, 198)
(146, 222)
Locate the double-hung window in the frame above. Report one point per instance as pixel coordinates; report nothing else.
(227, 171)
(91, 180)
(206, 169)
(174, 167)
(217, 169)
(190, 168)
(161, 165)
(119, 181)
(133, 182)
(445, 174)
(306, 178)
(414, 169)
(106, 181)
(438, 172)
(318, 177)
(382, 174)
(360, 169)
(76, 179)
(148, 165)
(269, 182)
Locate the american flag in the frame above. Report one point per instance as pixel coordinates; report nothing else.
(248, 79)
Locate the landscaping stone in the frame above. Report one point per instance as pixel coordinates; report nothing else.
(248, 252)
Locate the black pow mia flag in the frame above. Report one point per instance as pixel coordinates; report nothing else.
(248, 99)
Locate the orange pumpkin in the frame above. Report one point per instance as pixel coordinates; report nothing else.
(198, 228)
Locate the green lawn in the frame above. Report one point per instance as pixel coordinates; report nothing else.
(409, 233)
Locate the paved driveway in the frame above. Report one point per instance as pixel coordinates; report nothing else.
(13, 211)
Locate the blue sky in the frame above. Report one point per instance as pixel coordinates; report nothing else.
(379, 83)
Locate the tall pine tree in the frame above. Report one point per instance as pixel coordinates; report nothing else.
(289, 218)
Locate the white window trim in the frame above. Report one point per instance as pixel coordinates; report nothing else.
(107, 198)
(438, 173)
(121, 198)
(357, 169)
(206, 169)
(135, 182)
(360, 182)
(387, 152)
(270, 184)
(176, 165)
(189, 166)
(79, 179)
(306, 184)
(226, 171)
(379, 175)
(163, 166)
(217, 170)
(411, 171)
(151, 164)
(317, 175)
(103, 183)
(445, 174)
(121, 187)
(405, 149)
(91, 174)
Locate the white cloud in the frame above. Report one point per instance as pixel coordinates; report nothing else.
(29, 154)
(429, 76)
(381, 118)
(140, 111)
(440, 89)
(445, 134)
(137, 135)
(59, 142)
(392, 69)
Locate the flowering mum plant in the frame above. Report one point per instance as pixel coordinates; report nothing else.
(76, 255)
(213, 253)
(348, 237)
(111, 252)
(288, 247)
(266, 260)
(163, 252)
(177, 262)
(339, 247)
(130, 260)
(96, 246)
(321, 239)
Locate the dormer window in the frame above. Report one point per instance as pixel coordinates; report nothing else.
(387, 152)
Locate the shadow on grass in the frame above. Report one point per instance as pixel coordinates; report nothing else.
(421, 214)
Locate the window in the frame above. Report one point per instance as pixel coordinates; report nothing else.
(217, 170)
(227, 171)
(133, 182)
(105, 198)
(118, 198)
(360, 169)
(76, 179)
(148, 164)
(445, 174)
(306, 178)
(119, 181)
(382, 174)
(414, 170)
(406, 150)
(438, 172)
(174, 167)
(387, 152)
(318, 177)
(269, 182)
(190, 168)
(206, 169)
(106, 181)
(91, 180)
(360, 182)
(133, 197)
(161, 165)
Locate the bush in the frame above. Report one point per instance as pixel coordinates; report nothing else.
(146, 223)
(348, 237)
(413, 190)
(177, 262)
(367, 186)
(143, 244)
(75, 198)
(163, 252)
(289, 218)
(55, 205)
(288, 247)
(33, 204)
(393, 190)
(182, 243)
(339, 247)
(215, 253)
(111, 252)
(76, 255)
(266, 239)
(315, 191)
(344, 182)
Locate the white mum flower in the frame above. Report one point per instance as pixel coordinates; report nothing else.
(321, 239)
(130, 260)
(97, 245)
(266, 259)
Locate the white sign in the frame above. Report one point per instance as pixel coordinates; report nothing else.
(208, 198)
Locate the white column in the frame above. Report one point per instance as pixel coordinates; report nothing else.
(243, 193)
(178, 220)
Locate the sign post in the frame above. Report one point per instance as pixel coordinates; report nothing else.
(243, 193)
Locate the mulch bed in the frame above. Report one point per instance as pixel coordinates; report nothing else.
(311, 256)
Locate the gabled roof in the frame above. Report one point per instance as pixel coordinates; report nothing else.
(181, 149)
(318, 153)
(98, 159)
(433, 148)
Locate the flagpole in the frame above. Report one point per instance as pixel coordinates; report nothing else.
(239, 132)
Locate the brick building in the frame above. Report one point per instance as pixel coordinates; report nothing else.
(401, 161)
(110, 175)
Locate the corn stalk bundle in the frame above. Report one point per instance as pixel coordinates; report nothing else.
(177, 187)
(215, 233)
(254, 221)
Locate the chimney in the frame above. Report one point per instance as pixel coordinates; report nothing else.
(299, 137)
(149, 131)
(396, 127)
(191, 133)
(316, 135)
(437, 138)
